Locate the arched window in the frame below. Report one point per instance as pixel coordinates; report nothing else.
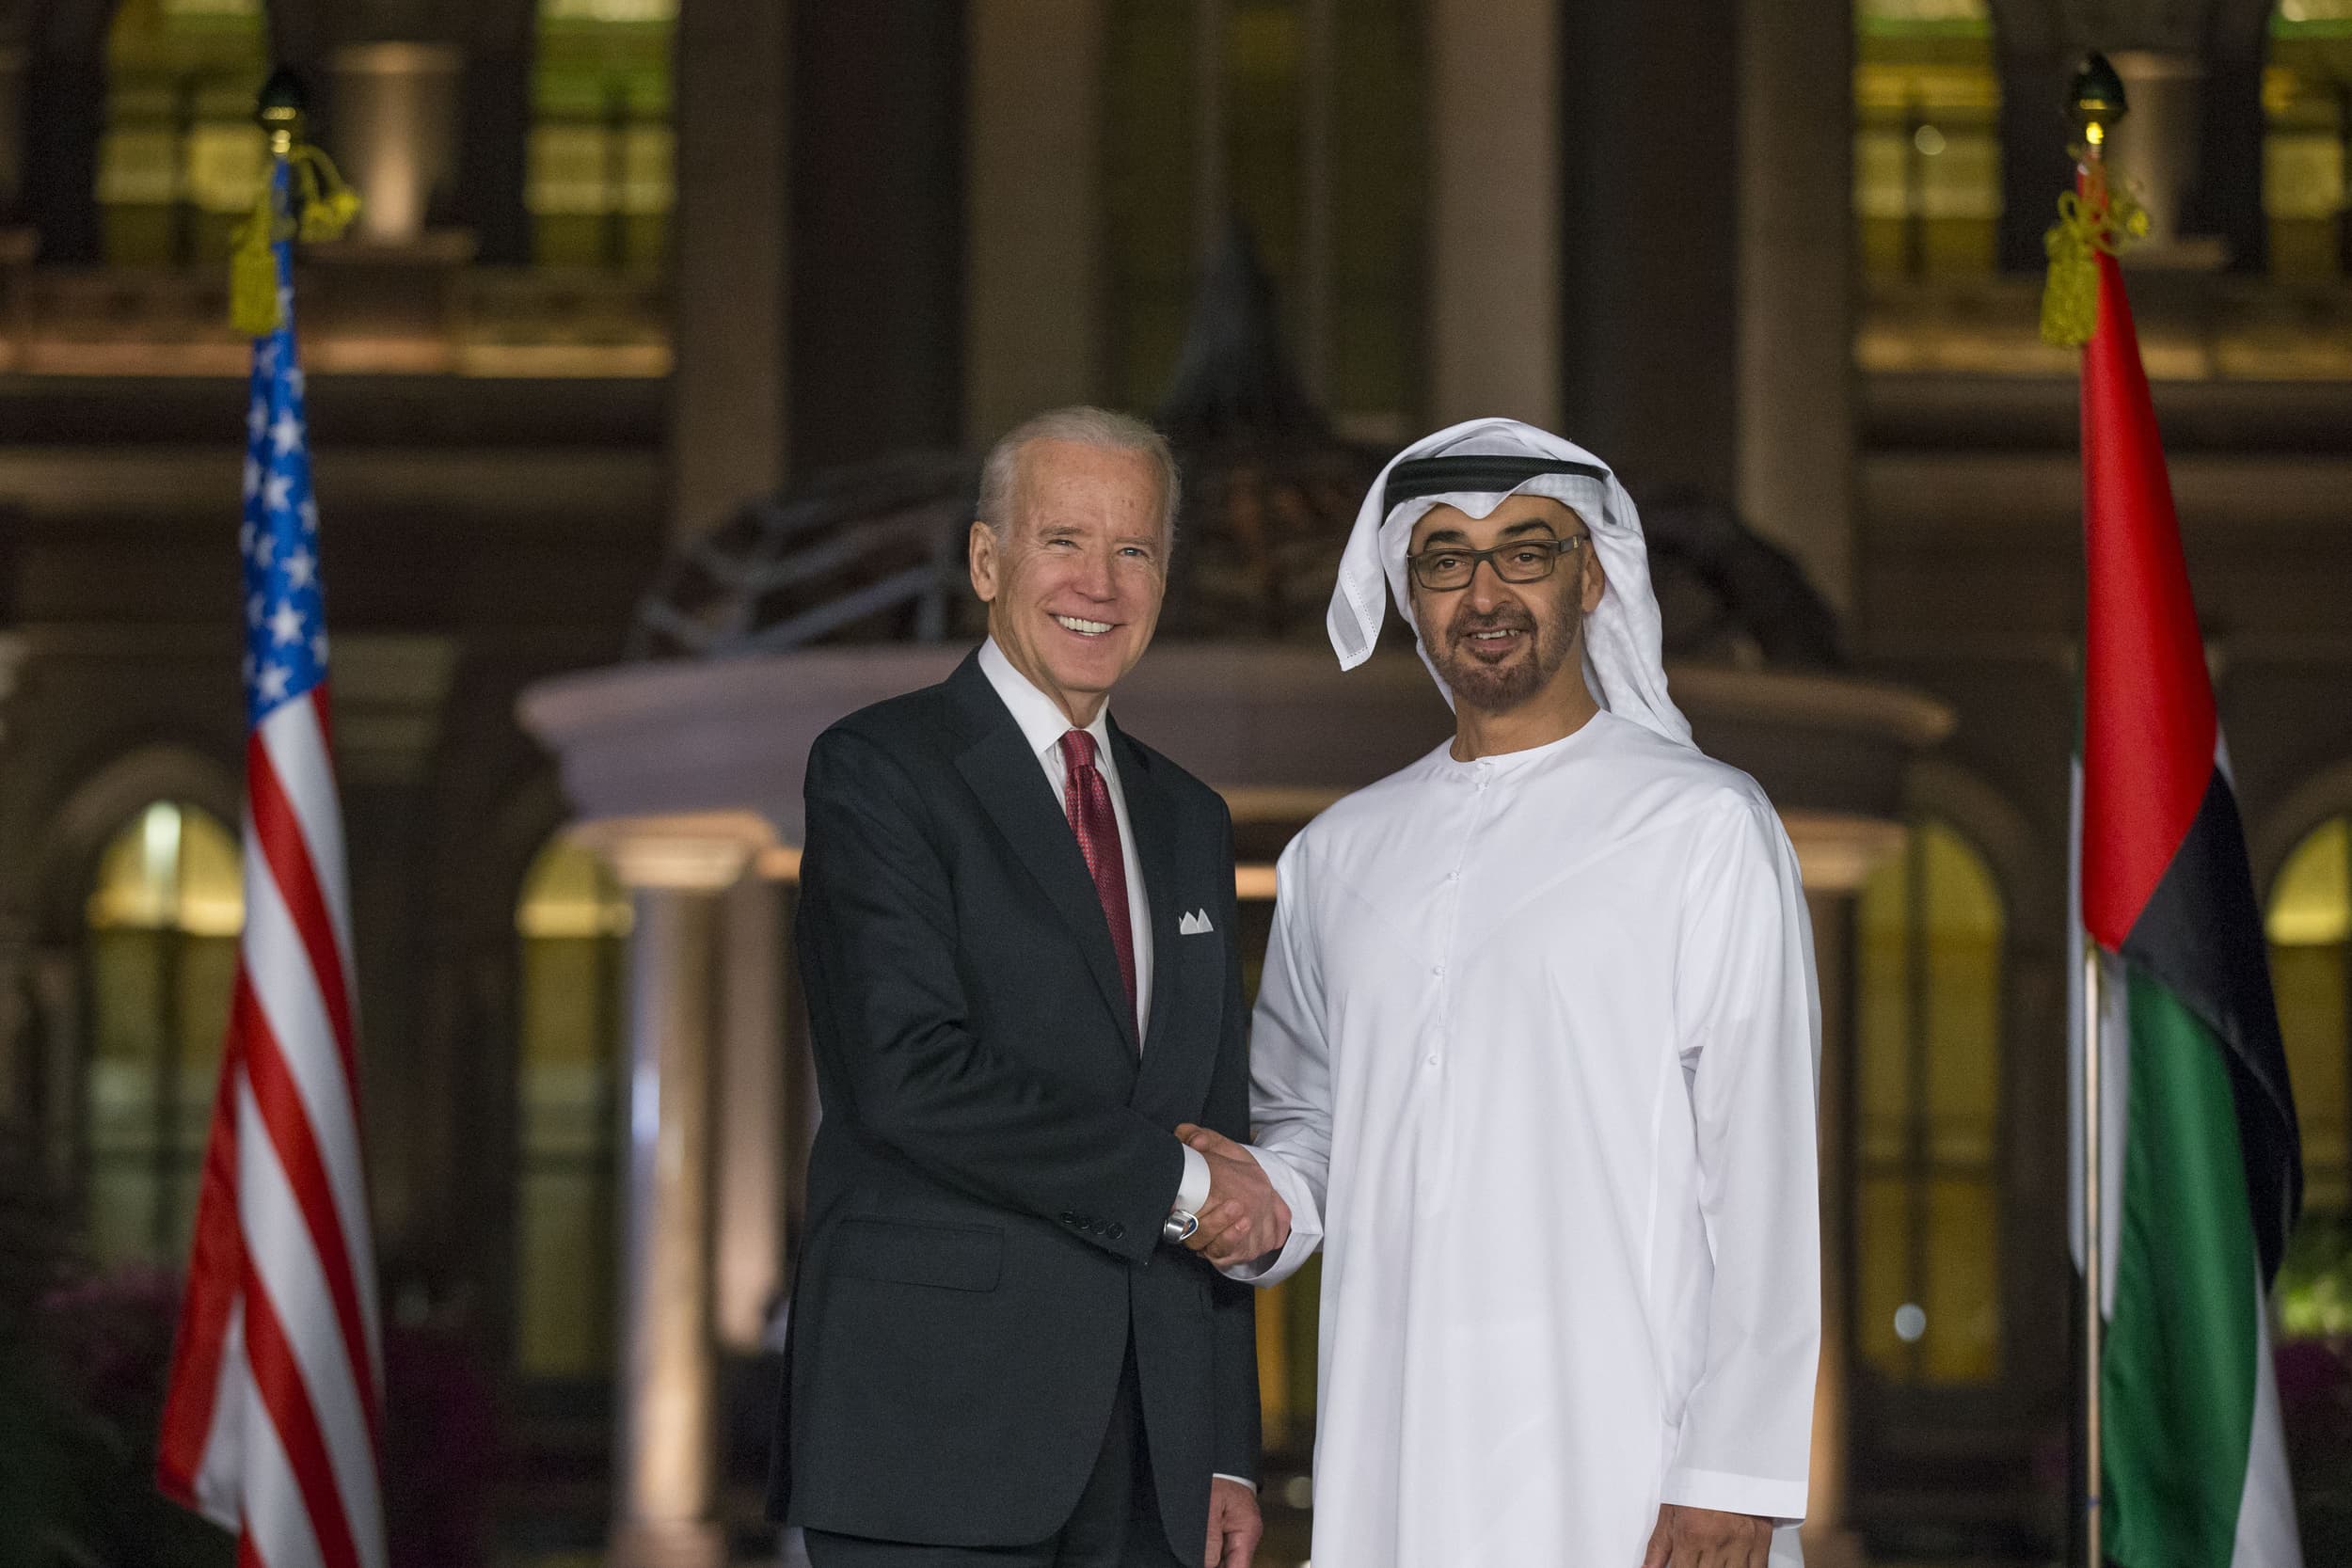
(1303, 120)
(571, 921)
(2306, 102)
(1928, 1095)
(602, 177)
(1927, 160)
(180, 160)
(162, 915)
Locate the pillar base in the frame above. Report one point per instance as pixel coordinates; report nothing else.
(683, 1544)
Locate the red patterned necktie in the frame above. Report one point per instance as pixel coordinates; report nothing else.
(1088, 799)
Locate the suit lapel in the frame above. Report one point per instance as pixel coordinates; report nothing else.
(1153, 817)
(998, 765)
(1172, 1075)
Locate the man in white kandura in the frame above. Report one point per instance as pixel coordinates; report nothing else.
(1534, 1061)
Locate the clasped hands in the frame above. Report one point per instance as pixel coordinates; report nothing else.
(1244, 1217)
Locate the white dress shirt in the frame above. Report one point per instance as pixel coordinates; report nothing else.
(1042, 725)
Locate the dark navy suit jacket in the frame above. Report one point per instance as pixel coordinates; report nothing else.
(995, 1158)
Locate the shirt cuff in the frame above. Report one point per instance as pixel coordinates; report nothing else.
(1238, 1481)
(1194, 1190)
(1306, 1226)
(1782, 1501)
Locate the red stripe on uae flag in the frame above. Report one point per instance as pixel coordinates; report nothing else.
(2149, 723)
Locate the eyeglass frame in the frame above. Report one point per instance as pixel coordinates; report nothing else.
(1559, 546)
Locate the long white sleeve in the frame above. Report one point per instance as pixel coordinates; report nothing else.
(1290, 1078)
(1748, 1016)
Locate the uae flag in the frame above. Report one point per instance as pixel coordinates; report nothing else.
(2201, 1173)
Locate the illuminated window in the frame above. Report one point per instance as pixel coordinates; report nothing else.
(601, 179)
(180, 160)
(1926, 156)
(2306, 102)
(572, 920)
(1927, 1246)
(1207, 111)
(163, 916)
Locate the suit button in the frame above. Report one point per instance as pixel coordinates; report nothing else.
(1118, 1230)
(1070, 1219)
(1096, 1227)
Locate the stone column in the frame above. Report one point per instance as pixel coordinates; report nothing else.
(727, 261)
(1032, 278)
(751, 1119)
(666, 1452)
(2157, 145)
(1796, 285)
(395, 132)
(1837, 853)
(1495, 210)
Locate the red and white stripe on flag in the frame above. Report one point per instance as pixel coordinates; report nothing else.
(272, 1427)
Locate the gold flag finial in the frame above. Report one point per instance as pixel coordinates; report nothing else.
(319, 206)
(2096, 217)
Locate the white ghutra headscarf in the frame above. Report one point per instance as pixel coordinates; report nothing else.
(1472, 467)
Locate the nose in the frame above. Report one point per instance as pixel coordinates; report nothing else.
(1098, 579)
(1486, 591)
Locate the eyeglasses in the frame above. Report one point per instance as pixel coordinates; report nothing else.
(1444, 567)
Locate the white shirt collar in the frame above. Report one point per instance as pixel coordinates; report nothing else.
(1042, 721)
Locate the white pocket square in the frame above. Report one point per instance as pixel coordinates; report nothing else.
(1195, 924)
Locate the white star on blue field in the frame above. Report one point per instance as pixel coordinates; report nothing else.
(285, 613)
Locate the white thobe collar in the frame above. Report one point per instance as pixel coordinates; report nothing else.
(1500, 764)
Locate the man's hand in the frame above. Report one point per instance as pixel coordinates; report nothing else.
(1244, 1217)
(1704, 1538)
(1234, 1525)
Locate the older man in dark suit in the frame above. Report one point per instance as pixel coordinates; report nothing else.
(1017, 935)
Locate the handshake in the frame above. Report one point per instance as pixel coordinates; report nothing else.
(1244, 1218)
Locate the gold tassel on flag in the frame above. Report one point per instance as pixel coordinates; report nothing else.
(2099, 215)
(323, 206)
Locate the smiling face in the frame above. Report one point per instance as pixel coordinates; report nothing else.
(1074, 581)
(1498, 645)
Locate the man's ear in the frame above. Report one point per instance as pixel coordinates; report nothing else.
(1596, 578)
(980, 552)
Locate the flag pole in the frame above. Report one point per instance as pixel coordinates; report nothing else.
(2094, 1270)
(2096, 103)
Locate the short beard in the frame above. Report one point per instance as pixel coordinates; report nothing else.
(1494, 691)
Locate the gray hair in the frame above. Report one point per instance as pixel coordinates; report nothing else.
(1086, 426)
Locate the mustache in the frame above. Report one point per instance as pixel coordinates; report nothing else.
(1501, 618)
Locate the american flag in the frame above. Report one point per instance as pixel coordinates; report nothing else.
(272, 1427)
